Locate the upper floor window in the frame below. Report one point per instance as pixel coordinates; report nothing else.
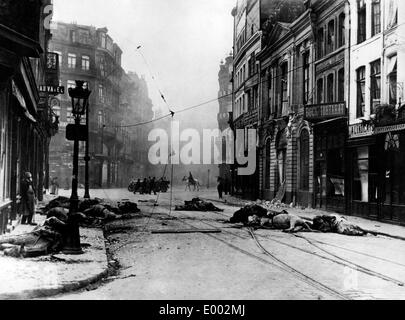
(101, 93)
(71, 60)
(331, 37)
(361, 23)
(341, 85)
(376, 17)
(305, 58)
(393, 80)
(103, 40)
(392, 13)
(319, 90)
(375, 84)
(72, 35)
(284, 85)
(252, 65)
(361, 91)
(84, 37)
(330, 88)
(102, 67)
(85, 63)
(321, 43)
(342, 30)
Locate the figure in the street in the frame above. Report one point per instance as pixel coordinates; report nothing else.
(138, 186)
(28, 199)
(144, 186)
(54, 186)
(192, 182)
(220, 188)
(153, 186)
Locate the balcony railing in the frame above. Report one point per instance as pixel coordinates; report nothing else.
(325, 111)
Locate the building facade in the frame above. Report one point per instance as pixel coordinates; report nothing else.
(253, 24)
(376, 149)
(328, 112)
(90, 54)
(26, 121)
(224, 114)
(135, 95)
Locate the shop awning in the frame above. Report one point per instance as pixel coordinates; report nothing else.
(20, 98)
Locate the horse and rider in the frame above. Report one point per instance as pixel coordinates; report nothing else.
(191, 182)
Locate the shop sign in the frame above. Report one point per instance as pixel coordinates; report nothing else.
(325, 111)
(360, 130)
(52, 89)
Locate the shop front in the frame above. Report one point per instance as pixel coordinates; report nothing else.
(377, 174)
(329, 165)
(329, 122)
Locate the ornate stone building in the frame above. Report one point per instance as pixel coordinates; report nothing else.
(89, 54)
(26, 120)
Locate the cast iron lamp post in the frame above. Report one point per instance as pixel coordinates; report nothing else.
(87, 157)
(80, 97)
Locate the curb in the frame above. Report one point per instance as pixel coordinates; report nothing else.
(62, 288)
(47, 292)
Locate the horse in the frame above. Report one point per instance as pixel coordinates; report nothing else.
(192, 182)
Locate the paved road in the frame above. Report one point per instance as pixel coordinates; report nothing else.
(232, 265)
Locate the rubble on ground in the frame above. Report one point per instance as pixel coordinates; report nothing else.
(47, 238)
(197, 204)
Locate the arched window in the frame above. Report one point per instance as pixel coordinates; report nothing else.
(304, 161)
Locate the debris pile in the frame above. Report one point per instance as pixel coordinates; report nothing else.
(48, 238)
(197, 204)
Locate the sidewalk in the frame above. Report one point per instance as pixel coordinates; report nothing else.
(51, 275)
(382, 228)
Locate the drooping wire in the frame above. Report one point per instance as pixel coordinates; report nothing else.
(138, 49)
(172, 167)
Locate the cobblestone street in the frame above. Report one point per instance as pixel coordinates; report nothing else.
(231, 265)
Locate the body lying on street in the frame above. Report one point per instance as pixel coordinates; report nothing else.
(198, 205)
(48, 238)
(259, 215)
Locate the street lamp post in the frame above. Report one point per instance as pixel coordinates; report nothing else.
(79, 97)
(87, 158)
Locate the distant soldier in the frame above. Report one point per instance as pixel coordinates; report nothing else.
(144, 186)
(220, 188)
(153, 185)
(138, 186)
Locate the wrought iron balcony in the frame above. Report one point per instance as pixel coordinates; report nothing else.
(325, 111)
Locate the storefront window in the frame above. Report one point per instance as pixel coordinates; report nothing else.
(360, 177)
(395, 170)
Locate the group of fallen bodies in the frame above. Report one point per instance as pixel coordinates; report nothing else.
(263, 216)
